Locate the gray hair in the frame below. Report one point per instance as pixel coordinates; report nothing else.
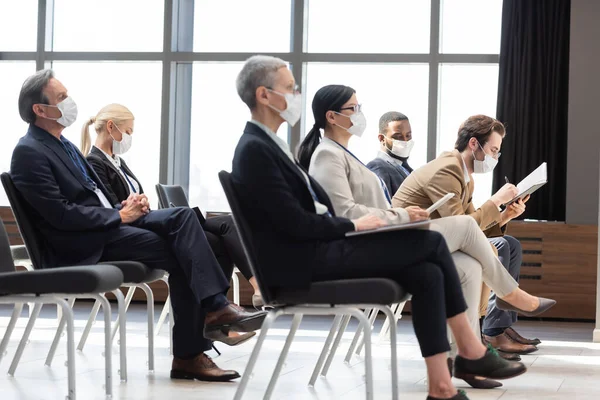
(32, 92)
(257, 71)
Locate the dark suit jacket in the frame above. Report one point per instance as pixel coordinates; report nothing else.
(116, 185)
(391, 174)
(281, 211)
(67, 212)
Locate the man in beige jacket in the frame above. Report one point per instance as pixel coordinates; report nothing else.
(477, 151)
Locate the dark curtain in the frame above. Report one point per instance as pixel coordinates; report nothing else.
(533, 99)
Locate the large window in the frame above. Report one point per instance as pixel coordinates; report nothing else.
(174, 64)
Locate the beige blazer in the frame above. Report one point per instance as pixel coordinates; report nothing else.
(350, 185)
(446, 174)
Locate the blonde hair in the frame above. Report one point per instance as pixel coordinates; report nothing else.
(112, 112)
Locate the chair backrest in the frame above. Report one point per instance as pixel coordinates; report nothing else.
(171, 196)
(244, 232)
(23, 215)
(6, 261)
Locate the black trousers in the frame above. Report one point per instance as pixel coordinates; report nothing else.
(224, 240)
(172, 239)
(418, 260)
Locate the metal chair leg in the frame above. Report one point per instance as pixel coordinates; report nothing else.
(150, 315)
(18, 308)
(372, 319)
(326, 349)
(57, 336)
(355, 339)
(368, 352)
(336, 343)
(17, 357)
(236, 287)
(130, 293)
(393, 348)
(284, 352)
(397, 310)
(101, 300)
(67, 316)
(122, 335)
(88, 325)
(163, 315)
(171, 324)
(267, 324)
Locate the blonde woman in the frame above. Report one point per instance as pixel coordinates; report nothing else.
(114, 126)
(355, 191)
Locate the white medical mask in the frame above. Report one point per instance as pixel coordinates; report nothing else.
(359, 123)
(68, 109)
(124, 145)
(293, 110)
(487, 165)
(401, 148)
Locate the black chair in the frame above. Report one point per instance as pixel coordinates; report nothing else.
(339, 297)
(135, 274)
(171, 196)
(52, 286)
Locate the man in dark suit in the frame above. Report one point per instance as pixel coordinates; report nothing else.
(395, 136)
(81, 226)
(292, 219)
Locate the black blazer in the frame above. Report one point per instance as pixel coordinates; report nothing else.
(67, 212)
(287, 231)
(116, 185)
(390, 173)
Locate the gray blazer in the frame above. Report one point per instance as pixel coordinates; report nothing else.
(353, 189)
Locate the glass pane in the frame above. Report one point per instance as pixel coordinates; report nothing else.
(108, 25)
(136, 85)
(466, 90)
(471, 26)
(18, 25)
(218, 120)
(374, 26)
(379, 88)
(12, 76)
(242, 26)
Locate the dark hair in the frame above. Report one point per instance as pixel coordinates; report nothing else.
(328, 98)
(479, 127)
(390, 116)
(32, 92)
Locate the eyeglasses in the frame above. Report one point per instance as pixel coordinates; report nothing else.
(496, 154)
(295, 89)
(356, 108)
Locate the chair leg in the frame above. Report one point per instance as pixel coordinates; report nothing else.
(106, 311)
(29, 267)
(336, 344)
(267, 324)
(67, 316)
(150, 314)
(236, 288)
(57, 336)
(163, 315)
(326, 349)
(394, 349)
(397, 310)
(366, 327)
(18, 308)
(171, 324)
(130, 293)
(284, 352)
(122, 335)
(88, 325)
(355, 339)
(24, 339)
(372, 319)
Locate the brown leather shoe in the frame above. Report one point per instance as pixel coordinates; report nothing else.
(477, 383)
(518, 338)
(201, 368)
(509, 356)
(231, 318)
(504, 343)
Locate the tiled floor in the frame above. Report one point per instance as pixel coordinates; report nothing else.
(567, 366)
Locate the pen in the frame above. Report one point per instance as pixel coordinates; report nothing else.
(506, 179)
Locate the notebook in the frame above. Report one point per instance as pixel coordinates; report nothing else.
(390, 228)
(531, 183)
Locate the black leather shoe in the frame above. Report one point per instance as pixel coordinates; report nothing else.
(461, 395)
(474, 382)
(491, 365)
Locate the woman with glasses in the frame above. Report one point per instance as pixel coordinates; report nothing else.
(355, 191)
